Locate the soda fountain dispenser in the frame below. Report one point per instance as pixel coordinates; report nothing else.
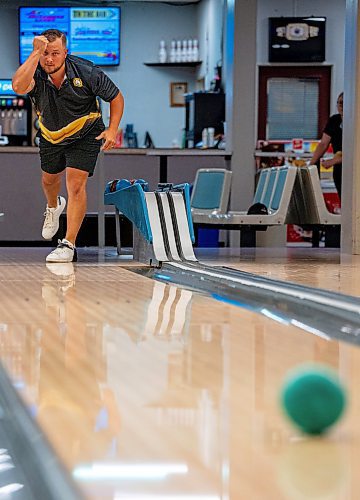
(15, 116)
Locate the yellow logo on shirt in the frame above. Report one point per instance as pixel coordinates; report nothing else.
(77, 82)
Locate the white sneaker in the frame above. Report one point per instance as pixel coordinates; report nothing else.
(52, 216)
(64, 252)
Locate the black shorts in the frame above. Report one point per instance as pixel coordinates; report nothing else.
(81, 154)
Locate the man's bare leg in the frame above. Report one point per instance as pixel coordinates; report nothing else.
(51, 184)
(76, 208)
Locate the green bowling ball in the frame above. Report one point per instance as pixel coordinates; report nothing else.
(313, 398)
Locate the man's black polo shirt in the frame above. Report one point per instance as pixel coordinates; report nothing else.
(69, 113)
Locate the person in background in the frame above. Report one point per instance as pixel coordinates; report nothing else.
(332, 134)
(64, 91)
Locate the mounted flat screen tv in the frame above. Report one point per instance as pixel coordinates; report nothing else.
(92, 32)
(297, 39)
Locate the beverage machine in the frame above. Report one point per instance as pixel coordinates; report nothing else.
(15, 117)
(203, 109)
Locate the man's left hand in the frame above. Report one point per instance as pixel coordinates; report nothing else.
(109, 138)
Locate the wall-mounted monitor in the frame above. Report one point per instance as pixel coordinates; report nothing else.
(92, 32)
(297, 39)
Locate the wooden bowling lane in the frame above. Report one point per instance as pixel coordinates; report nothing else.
(319, 268)
(147, 391)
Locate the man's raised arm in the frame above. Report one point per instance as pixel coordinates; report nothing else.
(23, 80)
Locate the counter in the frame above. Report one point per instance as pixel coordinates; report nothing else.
(22, 199)
(132, 151)
(34, 149)
(277, 154)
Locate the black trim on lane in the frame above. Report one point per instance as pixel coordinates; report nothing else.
(175, 226)
(163, 226)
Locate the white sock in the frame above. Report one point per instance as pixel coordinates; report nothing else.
(68, 242)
